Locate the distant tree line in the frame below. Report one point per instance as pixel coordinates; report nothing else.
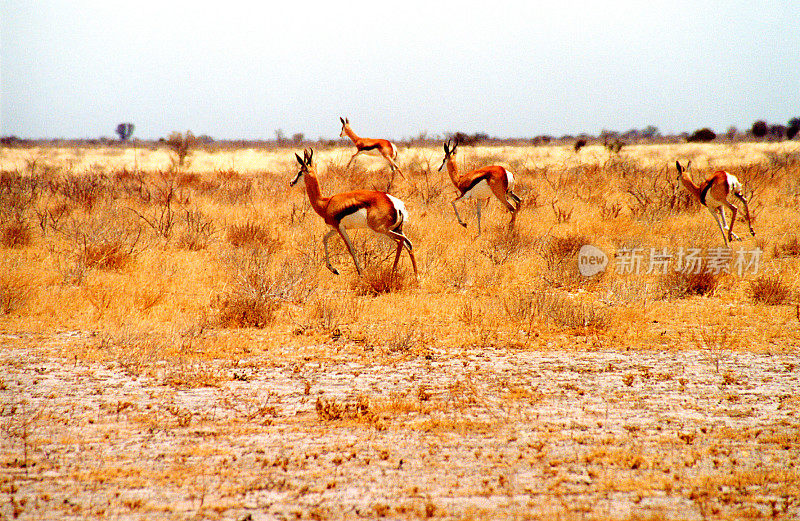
(613, 140)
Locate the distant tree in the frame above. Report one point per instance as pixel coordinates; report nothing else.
(280, 137)
(180, 144)
(297, 138)
(702, 135)
(759, 128)
(732, 132)
(614, 146)
(793, 128)
(470, 139)
(580, 144)
(650, 131)
(125, 131)
(777, 132)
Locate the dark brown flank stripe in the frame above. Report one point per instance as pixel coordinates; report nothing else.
(348, 211)
(484, 177)
(371, 147)
(704, 192)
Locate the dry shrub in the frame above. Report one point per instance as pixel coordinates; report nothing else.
(656, 194)
(561, 259)
(329, 313)
(16, 234)
(378, 281)
(679, 284)
(791, 248)
(239, 310)
(528, 305)
(770, 290)
(504, 245)
(85, 191)
(252, 235)
(198, 233)
(259, 287)
(113, 256)
(15, 291)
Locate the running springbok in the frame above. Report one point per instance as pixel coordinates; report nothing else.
(481, 184)
(713, 194)
(378, 211)
(364, 145)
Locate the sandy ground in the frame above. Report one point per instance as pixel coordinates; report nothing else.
(473, 434)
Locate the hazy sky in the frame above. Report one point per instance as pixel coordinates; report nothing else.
(75, 69)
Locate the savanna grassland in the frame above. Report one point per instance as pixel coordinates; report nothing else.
(173, 346)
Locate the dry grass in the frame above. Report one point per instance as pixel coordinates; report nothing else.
(770, 290)
(97, 226)
(205, 285)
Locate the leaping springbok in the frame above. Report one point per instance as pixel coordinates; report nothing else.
(379, 211)
(713, 194)
(365, 145)
(481, 184)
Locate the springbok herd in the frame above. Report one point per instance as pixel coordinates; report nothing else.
(386, 214)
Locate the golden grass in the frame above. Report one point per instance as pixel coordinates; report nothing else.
(119, 241)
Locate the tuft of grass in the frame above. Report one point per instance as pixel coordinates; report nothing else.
(259, 287)
(770, 290)
(530, 305)
(252, 235)
(240, 310)
(678, 284)
(560, 250)
(15, 291)
(198, 233)
(111, 255)
(378, 281)
(16, 234)
(791, 248)
(331, 409)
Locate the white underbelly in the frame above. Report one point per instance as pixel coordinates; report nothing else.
(356, 220)
(479, 191)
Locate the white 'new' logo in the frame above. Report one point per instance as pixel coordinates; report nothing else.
(591, 260)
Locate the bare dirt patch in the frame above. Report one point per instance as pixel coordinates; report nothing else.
(454, 434)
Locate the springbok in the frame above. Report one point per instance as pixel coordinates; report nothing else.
(481, 184)
(379, 211)
(713, 194)
(364, 145)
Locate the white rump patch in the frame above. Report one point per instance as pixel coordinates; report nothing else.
(399, 206)
(734, 184)
(509, 178)
(356, 219)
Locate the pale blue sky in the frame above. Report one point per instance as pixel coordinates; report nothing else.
(241, 70)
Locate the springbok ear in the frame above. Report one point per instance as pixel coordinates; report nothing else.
(688, 164)
(341, 119)
(299, 159)
(446, 148)
(310, 155)
(347, 120)
(678, 166)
